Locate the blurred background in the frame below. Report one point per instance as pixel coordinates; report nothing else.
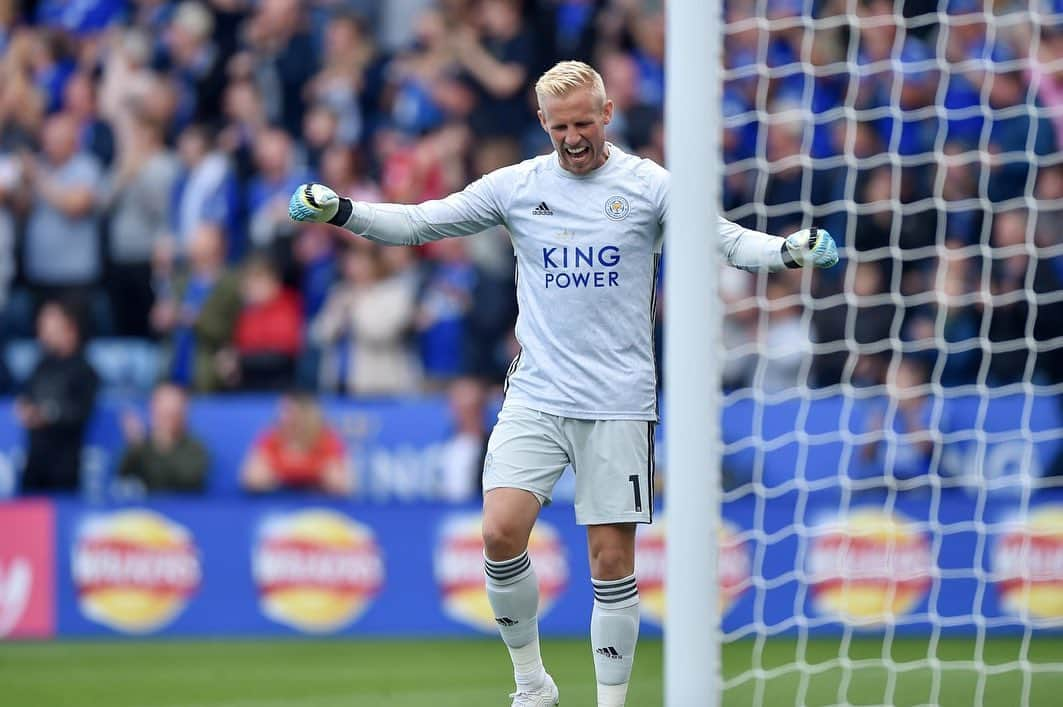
(147, 151)
(170, 340)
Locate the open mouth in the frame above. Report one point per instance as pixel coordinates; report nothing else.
(577, 152)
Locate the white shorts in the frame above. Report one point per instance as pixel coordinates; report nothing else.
(613, 461)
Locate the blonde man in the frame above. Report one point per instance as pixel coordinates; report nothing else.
(587, 224)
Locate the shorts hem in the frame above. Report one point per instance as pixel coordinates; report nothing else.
(580, 414)
(543, 499)
(642, 519)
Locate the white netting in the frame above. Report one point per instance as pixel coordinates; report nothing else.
(892, 427)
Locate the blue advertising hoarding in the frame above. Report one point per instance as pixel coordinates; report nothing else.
(286, 566)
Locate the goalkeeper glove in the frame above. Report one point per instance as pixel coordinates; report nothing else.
(813, 246)
(318, 204)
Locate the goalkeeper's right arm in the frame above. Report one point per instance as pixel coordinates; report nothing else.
(461, 214)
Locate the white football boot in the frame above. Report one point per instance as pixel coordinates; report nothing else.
(545, 696)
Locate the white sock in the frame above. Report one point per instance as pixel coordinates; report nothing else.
(612, 695)
(513, 591)
(614, 634)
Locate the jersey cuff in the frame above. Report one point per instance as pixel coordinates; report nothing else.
(343, 213)
(788, 259)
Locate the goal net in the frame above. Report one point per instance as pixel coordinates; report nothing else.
(893, 520)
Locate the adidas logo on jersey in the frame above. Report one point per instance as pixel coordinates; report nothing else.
(609, 652)
(542, 210)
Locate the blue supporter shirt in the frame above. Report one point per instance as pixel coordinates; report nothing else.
(184, 336)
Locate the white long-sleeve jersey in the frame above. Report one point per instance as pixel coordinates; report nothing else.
(587, 249)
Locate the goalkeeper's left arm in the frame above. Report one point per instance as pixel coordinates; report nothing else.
(752, 250)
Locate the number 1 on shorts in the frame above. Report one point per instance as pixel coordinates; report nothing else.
(634, 479)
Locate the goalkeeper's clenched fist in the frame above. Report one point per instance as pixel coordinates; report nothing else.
(812, 246)
(319, 204)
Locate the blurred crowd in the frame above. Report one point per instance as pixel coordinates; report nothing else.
(931, 154)
(148, 150)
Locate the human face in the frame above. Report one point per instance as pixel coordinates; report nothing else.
(168, 409)
(576, 124)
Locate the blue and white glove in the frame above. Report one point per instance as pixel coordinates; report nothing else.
(812, 246)
(316, 203)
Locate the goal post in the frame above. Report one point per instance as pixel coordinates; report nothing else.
(691, 380)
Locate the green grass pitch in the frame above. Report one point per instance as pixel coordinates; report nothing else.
(474, 673)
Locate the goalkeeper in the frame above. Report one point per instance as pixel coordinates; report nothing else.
(587, 224)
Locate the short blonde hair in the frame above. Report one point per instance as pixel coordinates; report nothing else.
(565, 76)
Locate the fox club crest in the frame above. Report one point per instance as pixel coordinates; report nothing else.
(616, 208)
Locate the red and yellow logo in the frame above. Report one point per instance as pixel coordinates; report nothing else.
(459, 569)
(734, 568)
(134, 570)
(869, 567)
(1028, 565)
(316, 570)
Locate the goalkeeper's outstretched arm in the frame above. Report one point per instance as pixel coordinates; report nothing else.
(752, 250)
(461, 214)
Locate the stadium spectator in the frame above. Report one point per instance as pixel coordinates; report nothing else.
(632, 120)
(444, 303)
(348, 56)
(245, 120)
(9, 173)
(281, 55)
(197, 310)
(1046, 75)
(492, 311)
(139, 192)
(22, 104)
(298, 452)
(859, 327)
(783, 337)
(277, 174)
(195, 61)
(1049, 214)
(962, 215)
(647, 31)
(904, 428)
(1015, 138)
(498, 61)
(205, 192)
(364, 327)
(165, 457)
(61, 254)
(268, 334)
(788, 187)
(423, 79)
(320, 132)
(890, 222)
(739, 329)
(127, 81)
(56, 403)
(79, 101)
(1022, 289)
(945, 331)
(462, 458)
